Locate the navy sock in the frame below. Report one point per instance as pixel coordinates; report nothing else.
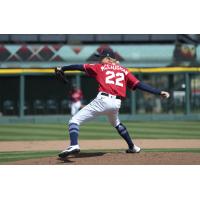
(125, 135)
(73, 133)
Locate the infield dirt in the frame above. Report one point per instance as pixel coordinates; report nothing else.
(116, 157)
(97, 144)
(100, 158)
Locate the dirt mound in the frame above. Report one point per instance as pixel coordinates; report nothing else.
(100, 158)
(97, 144)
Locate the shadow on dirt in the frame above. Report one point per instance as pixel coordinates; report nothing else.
(80, 155)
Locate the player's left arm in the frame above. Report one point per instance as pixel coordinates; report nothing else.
(89, 69)
(60, 75)
(134, 83)
(78, 67)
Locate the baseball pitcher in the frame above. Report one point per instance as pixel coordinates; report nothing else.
(113, 80)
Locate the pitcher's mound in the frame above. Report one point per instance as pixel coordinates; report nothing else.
(102, 158)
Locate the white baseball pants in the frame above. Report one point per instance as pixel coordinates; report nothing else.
(101, 105)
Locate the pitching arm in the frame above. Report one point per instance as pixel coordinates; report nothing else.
(133, 83)
(145, 87)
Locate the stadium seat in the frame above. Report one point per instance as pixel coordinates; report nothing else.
(26, 107)
(8, 107)
(51, 106)
(38, 106)
(64, 106)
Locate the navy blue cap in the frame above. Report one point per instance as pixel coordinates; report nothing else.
(106, 53)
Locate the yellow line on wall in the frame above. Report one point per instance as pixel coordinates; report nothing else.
(137, 70)
(165, 69)
(30, 71)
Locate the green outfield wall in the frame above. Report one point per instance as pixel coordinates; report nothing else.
(24, 86)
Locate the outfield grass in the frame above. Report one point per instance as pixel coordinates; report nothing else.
(102, 130)
(24, 155)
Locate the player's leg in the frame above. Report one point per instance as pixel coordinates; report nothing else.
(115, 122)
(73, 109)
(85, 114)
(74, 147)
(123, 132)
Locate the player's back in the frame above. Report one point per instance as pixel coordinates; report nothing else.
(112, 78)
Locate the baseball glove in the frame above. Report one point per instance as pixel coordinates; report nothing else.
(60, 75)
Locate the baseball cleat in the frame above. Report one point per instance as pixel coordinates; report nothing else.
(135, 149)
(74, 149)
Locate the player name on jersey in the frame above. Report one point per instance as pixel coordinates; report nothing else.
(113, 67)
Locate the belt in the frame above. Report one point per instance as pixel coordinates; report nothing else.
(109, 95)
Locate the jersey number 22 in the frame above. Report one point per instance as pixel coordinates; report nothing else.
(119, 78)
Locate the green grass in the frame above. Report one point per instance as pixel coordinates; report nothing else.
(102, 130)
(21, 155)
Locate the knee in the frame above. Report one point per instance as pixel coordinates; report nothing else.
(74, 121)
(121, 128)
(115, 123)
